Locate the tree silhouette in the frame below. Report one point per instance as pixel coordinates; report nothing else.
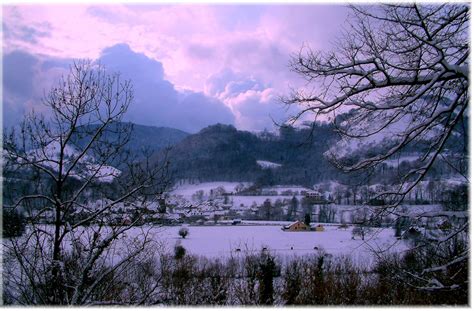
(74, 183)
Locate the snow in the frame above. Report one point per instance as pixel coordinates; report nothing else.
(395, 162)
(267, 164)
(105, 173)
(247, 201)
(222, 241)
(50, 154)
(268, 222)
(187, 190)
(280, 189)
(417, 210)
(459, 214)
(384, 129)
(456, 180)
(183, 198)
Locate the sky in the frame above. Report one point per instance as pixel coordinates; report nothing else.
(191, 65)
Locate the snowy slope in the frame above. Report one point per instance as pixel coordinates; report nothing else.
(267, 164)
(187, 190)
(86, 166)
(396, 162)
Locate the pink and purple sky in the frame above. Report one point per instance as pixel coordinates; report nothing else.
(191, 65)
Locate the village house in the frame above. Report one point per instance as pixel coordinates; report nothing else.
(316, 198)
(301, 226)
(296, 226)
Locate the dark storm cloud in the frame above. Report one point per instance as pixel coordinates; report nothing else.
(18, 73)
(156, 100)
(19, 70)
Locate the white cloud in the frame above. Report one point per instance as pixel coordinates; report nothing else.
(192, 42)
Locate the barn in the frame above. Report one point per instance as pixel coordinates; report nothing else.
(296, 226)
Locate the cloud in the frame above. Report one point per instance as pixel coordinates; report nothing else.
(25, 33)
(227, 83)
(193, 44)
(198, 110)
(200, 52)
(25, 77)
(136, 66)
(255, 105)
(18, 70)
(156, 100)
(191, 41)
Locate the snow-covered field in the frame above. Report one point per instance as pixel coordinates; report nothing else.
(223, 241)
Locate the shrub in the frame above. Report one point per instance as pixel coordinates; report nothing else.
(183, 232)
(179, 252)
(13, 224)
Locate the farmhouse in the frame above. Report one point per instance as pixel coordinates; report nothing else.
(296, 226)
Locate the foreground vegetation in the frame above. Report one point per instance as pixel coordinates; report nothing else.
(256, 279)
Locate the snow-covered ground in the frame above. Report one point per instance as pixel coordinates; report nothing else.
(84, 168)
(187, 190)
(282, 189)
(396, 162)
(247, 201)
(267, 164)
(223, 241)
(416, 210)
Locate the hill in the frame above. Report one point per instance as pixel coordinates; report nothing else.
(221, 152)
(142, 137)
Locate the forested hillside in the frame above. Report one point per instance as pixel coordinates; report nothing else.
(296, 156)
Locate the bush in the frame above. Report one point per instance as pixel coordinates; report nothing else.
(183, 232)
(267, 269)
(361, 231)
(179, 252)
(13, 224)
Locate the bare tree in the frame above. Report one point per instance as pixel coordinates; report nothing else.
(400, 73)
(74, 250)
(403, 69)
(361, 230)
